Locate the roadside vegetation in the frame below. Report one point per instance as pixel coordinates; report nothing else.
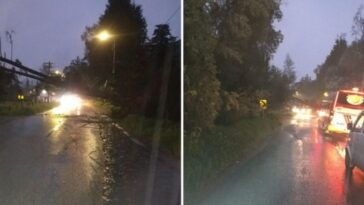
(36, 96)
(26, 108)
(221, 147)
(143, 90)
(228, 50)
(342, 68)
(103, 106)
(145, 128)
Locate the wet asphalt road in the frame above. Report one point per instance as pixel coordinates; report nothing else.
(299, 166)
(45, 160)
(52, 159)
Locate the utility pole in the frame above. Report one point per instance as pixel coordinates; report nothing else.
(113, 59)
(9, 36)
(1, 53)
(46, 68)
(0, 47)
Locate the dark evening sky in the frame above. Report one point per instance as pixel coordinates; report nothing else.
(310, 28)
(51, 30)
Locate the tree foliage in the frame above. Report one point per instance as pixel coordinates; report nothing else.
(343, 67)
(124, 20)
(161, 95)
(77, 76)
(147, 72)
(202, 87)
(228, 48)
(9, 86)
(279, 87)
(358, 24)
(288, 71)
(246, 41)
(326, 74)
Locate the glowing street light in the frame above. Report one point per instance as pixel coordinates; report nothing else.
(104, 36)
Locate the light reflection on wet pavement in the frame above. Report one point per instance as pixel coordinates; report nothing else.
(44, 160)
(300, 166)
(60, 159)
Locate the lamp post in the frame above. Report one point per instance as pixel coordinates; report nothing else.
(104, 36)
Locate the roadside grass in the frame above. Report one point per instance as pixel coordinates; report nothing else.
(25, 108)
(219, 148)
(148, 128)
(144, 127)
(103, 106)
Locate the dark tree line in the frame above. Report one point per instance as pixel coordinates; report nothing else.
(228, 48)
(147, 71)
(9, 86)
(343, 68)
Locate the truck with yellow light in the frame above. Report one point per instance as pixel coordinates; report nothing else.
(345, 108)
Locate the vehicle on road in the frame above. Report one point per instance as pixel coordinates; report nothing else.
(323, 112)
(302, 112)
(354, 151)
(345, 108)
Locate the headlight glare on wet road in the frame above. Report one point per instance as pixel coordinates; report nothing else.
(68, 103)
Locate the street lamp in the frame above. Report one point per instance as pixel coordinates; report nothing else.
(104, 36)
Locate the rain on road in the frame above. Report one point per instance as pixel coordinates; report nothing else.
(56, 159)
(299, 166)
(45, 159)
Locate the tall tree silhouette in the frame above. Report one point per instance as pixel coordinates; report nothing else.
(125, 21)
(164, 75)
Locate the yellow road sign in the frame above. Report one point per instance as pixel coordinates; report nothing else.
(263, 103)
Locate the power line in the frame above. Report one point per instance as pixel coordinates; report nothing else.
(174, 13)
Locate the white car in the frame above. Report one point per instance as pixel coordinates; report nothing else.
(354, 151)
